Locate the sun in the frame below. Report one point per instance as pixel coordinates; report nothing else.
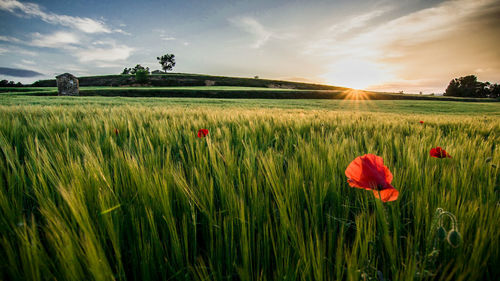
(356, 73)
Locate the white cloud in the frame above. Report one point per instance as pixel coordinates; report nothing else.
(111, 53)
(60, 39)
(28, 62)
(17, 50)
(252, 26)
(261, 33)
(86, 25)
(108, 65)
(356, 22)
(9, 39)
(167, 38)
(25, 52)
(118, 30)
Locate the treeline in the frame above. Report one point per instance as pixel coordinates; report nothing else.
(166, 61)
(5, 83)
(468, 86)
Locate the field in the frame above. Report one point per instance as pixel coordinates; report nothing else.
(102, 188)
(232, 92)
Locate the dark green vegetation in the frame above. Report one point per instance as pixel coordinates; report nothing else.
(184, 79)
(233, 92)
(167, 62)
(263, 197)
(5, 83)
(468, 86)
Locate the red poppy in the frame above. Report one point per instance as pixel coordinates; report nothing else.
(202, 133)
(369, 172)
(438, 152)
(421, 122)
(116, 131)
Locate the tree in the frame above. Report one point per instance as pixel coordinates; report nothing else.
(126, 70)
(167, 62)
(462, 87)
(468, 86)
(139, 67)
(141, 76)
(5, 83)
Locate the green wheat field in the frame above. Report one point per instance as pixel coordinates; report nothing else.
(102, 188)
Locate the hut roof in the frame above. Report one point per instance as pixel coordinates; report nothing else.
(66, 74)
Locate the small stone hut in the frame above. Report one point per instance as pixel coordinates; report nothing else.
(67, 85)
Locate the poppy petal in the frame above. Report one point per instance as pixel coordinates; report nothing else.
(368, 172)
(386, 195)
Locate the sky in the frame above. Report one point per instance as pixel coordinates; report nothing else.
(386, 45)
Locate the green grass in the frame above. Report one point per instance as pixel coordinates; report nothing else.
(389, 106)
(264, 197)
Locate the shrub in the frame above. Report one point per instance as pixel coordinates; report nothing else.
(141, 76)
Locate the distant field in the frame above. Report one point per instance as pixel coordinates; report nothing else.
(233, 92)
(103, 188)
(387, 106)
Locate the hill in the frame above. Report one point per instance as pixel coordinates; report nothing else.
(185, 79)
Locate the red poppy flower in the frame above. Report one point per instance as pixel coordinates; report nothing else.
(421, 122)
(438, 152)
(116, 131)
(202, 133)
(369, 172)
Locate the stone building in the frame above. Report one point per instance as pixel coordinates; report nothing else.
(67, 85)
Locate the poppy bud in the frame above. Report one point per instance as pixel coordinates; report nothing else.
(441, 233)
(489, 159)
(454, 238)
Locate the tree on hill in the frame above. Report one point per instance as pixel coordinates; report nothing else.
(167, 62)
(135, 69)
(5, 83)
(468, 86)
(139, 68)
(141, 76)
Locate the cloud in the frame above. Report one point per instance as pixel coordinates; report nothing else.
(16, 50)
(59, 39)
(424, 48)
(28, 61)
(356, 22)
(119, 30)
(167, 38)
(86, 25)
(16, 72)
(340, 32)
(106, 50)
(9, 39)
(111, 52)
(252, 26)
(25, 52)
